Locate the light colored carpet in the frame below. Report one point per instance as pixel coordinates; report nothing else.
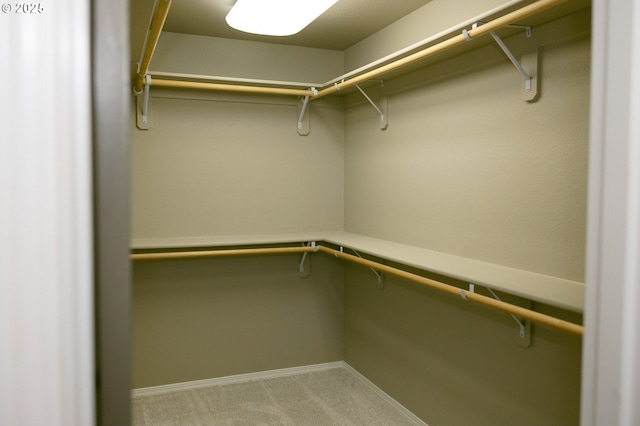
(331, 397)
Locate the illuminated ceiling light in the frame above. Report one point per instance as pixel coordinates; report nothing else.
(276, 17)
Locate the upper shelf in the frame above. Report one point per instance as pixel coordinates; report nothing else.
(554, 291)
(458, 36)
(547, 289)
(223, 241)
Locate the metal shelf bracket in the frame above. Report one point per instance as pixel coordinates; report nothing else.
(304, 127)
(377, 274)
(382, 110)
(145, 107)
(529, 90)
(304, 271)
(523, 337)
(143, 118)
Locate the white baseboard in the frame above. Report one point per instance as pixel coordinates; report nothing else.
(241, 378)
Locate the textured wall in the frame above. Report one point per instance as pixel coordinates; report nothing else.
(199, 319)
(217, 165)
(183, 53)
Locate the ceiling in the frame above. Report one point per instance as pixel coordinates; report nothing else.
(342, 26)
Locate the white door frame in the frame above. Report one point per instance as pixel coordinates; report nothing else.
(46, 248)
(611, 348)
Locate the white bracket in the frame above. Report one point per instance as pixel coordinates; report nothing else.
(514, 61)
(377, 274)
(303, 117)
(145, 107)
(304, 272)
(143, 117)
(529, 91)
(382, 110)
(523, 338)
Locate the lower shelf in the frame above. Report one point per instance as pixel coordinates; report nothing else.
(554, 291)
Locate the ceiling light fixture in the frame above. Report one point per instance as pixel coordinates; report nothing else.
(276, 17)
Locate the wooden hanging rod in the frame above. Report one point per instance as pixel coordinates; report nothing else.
(518, 311)
(220, 253)
(162, 10)
(153, 35)
(178, 84)
(468, 295)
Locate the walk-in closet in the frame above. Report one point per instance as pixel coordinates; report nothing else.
(404, 209)
(408, 212)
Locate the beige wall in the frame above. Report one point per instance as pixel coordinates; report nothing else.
(468, 168)
(225, 165)
(183, 53)
(200, 319)
(215, 165)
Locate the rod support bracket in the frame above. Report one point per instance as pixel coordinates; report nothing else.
(528, 61)
(529, 93)
(382, 109)
(523, 337)
(304, 125)
(143, 105)
(305, 271)
(377, 273)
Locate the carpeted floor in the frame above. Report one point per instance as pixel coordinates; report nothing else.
(331, 397)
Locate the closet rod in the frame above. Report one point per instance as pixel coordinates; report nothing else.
(221, 253)
(235, 80)
(461, 38)
(157, 22)
(521, 312)
(176, 84)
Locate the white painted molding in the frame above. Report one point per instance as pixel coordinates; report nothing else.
(238, 378)
(611, 346)
(46, 251)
